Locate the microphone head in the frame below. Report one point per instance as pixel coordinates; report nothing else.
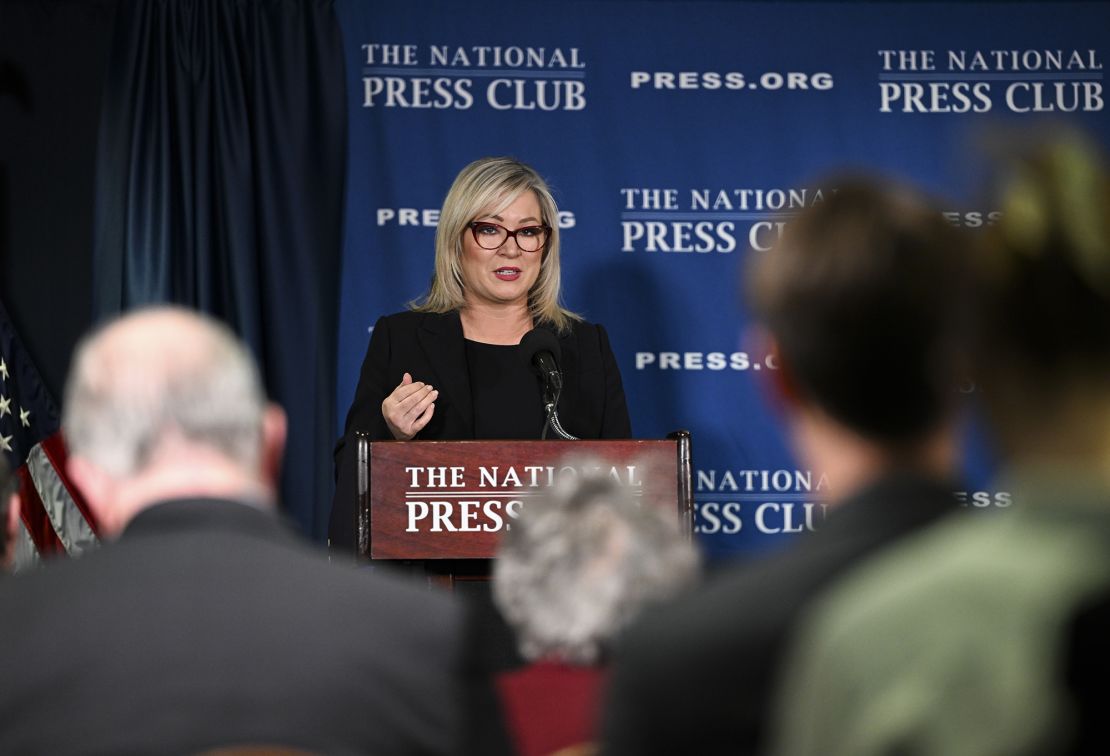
(539, 340)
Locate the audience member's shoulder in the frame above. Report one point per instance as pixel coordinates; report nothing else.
(56, 589)
(695, 623)
(57, 570)
(339, 586)
(942, 563)
(403, 596)
(731, 587)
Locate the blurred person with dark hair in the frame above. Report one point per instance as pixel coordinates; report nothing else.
(963, 641)
(9, 514)
(208, 623)
(574, 569)
(862, 304)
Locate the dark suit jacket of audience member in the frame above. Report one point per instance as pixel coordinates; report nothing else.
(698, 675)
(432, 349)
(1086, 676)
(209, 623)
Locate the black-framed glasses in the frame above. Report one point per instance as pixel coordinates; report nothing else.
(490, 235)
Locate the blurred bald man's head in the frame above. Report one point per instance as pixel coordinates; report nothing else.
(165, 403)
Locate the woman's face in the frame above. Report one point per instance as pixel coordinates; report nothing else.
(505, 275)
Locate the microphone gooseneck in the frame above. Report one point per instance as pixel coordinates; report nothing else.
(540, 350)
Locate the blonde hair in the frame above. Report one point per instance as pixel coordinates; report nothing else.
(486, 187)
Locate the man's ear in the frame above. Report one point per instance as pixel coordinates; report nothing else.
(11, 524)
(274, 429)
(98, 488)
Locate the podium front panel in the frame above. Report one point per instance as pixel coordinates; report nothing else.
(452, 499)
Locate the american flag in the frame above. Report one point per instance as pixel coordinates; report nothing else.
(55, 519)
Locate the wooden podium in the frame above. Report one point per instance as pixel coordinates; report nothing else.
(445, 503)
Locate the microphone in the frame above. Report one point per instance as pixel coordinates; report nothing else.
(540, 350)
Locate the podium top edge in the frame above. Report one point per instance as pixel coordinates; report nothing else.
(529, 442)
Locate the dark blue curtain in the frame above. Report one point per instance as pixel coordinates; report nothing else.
(220, 178)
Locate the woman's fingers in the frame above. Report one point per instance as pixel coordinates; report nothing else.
(420, 422)
(409, 407)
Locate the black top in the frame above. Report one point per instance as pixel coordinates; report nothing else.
(505, 391)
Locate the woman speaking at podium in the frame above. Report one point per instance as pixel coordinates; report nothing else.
(450, 367)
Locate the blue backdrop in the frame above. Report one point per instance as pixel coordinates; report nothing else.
(677, 137)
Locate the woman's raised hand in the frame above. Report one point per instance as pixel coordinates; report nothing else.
(409, 408)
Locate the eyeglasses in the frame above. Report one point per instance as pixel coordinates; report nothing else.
(492, 235)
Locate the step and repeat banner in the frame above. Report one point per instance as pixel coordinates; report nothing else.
(679, 138)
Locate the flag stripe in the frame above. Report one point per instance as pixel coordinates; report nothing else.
(54, 448)
(26, 556)
(34, 516)
(67, 520)
(55, 517)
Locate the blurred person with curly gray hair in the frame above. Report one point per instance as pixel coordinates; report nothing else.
(575, 568)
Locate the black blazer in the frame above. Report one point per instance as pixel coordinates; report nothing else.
(209, 623)
(431, 347)
(698, 676)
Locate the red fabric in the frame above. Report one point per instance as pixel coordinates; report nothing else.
(55, 448)
(550, 705)
(32, 511)
(35, 518)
